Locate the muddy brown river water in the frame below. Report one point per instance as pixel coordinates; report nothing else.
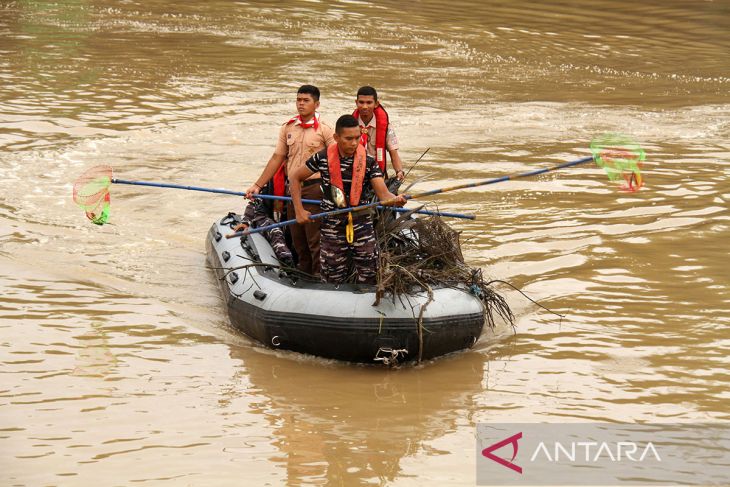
(119, 365)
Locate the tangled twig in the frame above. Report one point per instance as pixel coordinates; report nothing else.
(418, 255)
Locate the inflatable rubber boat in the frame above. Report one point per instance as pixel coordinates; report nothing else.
(285, 311)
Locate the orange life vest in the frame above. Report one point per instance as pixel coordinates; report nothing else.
(358, 171)
(381, 132)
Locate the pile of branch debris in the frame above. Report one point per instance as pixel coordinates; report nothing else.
(420, 254)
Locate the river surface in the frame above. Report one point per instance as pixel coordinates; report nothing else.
(119, 365)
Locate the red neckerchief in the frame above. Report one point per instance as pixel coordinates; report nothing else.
(314, 123)
(358, 171)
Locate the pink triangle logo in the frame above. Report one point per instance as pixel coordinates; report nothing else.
(487, 452)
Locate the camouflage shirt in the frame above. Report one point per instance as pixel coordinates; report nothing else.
(318, 163)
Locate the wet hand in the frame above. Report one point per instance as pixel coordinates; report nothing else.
(400, 175)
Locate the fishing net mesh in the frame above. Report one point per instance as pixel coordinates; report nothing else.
(91, 193)
(621, 158)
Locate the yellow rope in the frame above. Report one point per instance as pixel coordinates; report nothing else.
(349, 230)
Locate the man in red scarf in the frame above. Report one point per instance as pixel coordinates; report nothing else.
(299, 138)
(378, 136)
(346, 170)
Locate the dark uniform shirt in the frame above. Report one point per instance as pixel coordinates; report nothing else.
(318, 163)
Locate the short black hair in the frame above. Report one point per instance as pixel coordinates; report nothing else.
(309, 90)
(368, 91)
(345, 121)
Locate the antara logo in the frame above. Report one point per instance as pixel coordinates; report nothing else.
(487, 452)
(588, 451)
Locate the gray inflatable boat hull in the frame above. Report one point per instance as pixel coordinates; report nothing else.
(336, 322)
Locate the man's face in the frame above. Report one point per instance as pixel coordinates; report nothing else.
(306, 105)
(365, 105)
(347, 140)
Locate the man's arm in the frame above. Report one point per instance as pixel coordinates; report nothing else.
(385, 196)
(397, 164)
(391, 145)
(271, 167)
(295, 188)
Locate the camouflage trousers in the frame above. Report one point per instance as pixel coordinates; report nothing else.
(335, 252)
(276, 238)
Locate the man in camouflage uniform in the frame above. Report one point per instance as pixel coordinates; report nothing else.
(335, 250)
(258, 214)
(346, 172)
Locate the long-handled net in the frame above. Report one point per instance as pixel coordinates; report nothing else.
(91, 192)
(617, 154)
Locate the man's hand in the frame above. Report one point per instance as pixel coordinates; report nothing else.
(295, 181)
(386, 197)
(254, 189)
(400, 200)
(394, 200)
(400, 175)
(303, 217)
(241, 227)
